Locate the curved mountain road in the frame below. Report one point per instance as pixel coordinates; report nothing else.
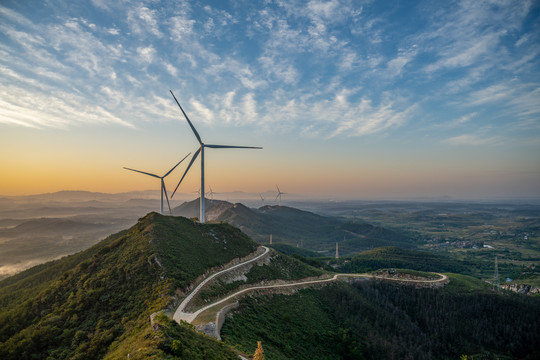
(189, 317)
(179, 314)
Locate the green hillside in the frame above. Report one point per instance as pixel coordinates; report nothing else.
(97, 303)
(309, 230)
(423, 260)
(393, 257)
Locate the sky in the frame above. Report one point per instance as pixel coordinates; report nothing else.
(349, 99)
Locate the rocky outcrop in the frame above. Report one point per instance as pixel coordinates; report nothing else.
(523, 289)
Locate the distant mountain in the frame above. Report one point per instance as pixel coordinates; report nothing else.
(50, 226)
(296, 227)
(191, 209)
(305, 229)
(84, 196)
(97, 303)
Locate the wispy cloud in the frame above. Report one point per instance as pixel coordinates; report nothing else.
(396, 65)
(29, 109)
(319, 67)
(143, 21)
(365, 118)
(469, 139)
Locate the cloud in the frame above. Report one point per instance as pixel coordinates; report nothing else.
(146, 54)
(471, 31)
(30, 109)
(492, 93)
(396, 65)
(143, 21)
(181, 27)
(461, 120)
(279, 70)
(202, 112)
(171, 69)
(467, 53)
(365, 119)
(468, 139)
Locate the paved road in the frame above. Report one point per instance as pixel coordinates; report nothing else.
(189, 317)
(179, 314)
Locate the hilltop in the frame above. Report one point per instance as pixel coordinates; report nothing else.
(96, 304)
(297, 227)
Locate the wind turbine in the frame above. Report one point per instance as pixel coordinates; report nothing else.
(201, 151)
(163, 189)
(211, 193)
(262, 199)
(279, 194)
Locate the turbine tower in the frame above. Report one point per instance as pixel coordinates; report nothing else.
(279, 194)
(163, 189)
(496, 282)
(201, 151)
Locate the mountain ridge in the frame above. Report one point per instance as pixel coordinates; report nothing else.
(96, 303)
(296, 227)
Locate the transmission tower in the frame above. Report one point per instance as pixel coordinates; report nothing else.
(496, 282)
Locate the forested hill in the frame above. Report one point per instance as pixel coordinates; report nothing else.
(97, 303)
(297, 227)
(315, 232)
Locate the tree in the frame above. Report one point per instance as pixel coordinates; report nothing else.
(259, 352)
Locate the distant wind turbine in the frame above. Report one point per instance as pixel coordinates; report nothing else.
(262, 199)
(211, 193)
(201, 151)
(279, 194)
(163, 189)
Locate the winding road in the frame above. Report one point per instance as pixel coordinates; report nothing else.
(189, 317)
(179, 314)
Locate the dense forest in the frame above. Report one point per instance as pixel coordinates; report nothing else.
(377, 320)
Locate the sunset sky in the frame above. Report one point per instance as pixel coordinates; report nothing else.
(350, 99)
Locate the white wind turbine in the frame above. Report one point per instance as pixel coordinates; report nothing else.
(211, 193)
(279, 193)
(163, 189)
(201, 151)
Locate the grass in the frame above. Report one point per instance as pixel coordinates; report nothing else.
(466, 284)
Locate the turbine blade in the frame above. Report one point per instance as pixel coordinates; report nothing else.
(166, 197)
(190, 163)
(176, 165)
(142, 172)
(277, 197)
(231, 147)
(189, 122)
(277, 187)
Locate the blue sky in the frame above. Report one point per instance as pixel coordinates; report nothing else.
(369, 98)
